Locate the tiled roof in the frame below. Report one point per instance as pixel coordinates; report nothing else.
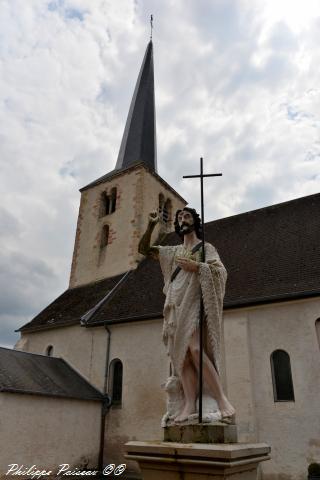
(22, 372)
(72, 305)
(271, 254)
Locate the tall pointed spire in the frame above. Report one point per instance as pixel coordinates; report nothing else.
(139, 138)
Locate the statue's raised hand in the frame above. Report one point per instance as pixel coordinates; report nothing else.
(154, 217)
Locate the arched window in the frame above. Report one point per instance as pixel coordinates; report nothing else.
(116, 371)
(161, 204)
(104, 204)
(166, 214)
(318, 330)
(108, 202)
(104, 236)
(113, 200)
(281, 376)
(49, 351)
(165, 208)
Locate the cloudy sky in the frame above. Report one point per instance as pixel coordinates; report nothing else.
(237, 82)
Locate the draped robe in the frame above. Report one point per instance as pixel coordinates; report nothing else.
(182, 305)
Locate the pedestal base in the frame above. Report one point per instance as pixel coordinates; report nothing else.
(201, 433)
(195, 461)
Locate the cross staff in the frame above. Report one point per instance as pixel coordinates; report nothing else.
(201, 176)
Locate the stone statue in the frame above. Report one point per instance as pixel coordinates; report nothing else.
(183, 288)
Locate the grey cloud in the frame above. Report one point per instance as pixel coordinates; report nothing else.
(67, 86)
(8, 336)
(10, 225)
(260, 194)
(21, 281)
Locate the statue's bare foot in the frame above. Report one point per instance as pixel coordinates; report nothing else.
(225, 407)
(188, 410)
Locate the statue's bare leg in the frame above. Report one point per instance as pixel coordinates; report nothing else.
(211, 377)
(190, 387)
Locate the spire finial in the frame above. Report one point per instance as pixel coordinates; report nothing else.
(151, 26)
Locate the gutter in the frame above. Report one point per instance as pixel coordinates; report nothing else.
(107, 400)
(44, 394)
(115, 321)
(285, 297)
(106, 405)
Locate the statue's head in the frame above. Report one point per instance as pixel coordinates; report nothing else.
(187, 220)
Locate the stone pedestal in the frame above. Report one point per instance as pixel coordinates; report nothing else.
(218, 432)
(197, 461)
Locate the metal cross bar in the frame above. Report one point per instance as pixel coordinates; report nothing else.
(206, 175)
(201, 329)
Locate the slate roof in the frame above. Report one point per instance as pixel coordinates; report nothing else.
(139, 137)
(69, 307)
(271, 254)
(22, 372)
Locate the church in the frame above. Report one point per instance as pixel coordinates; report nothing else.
(87, 373)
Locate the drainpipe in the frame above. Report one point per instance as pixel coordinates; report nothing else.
(106, 404)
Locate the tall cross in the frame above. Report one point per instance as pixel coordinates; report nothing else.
(201, 176)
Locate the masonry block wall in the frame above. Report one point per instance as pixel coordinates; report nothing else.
(137, 193)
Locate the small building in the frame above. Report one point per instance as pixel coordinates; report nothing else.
(45, 405)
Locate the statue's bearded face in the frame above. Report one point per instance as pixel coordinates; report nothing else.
(186, 222)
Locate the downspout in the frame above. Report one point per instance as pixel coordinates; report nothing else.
(105, 405)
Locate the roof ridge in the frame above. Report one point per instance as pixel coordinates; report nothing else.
(268, 207)
(86, 317)
(30, 353)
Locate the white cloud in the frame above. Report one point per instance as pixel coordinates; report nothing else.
(236, 83)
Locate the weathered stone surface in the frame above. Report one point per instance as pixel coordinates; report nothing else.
(174, 461)
(201, 433)
(138, 191)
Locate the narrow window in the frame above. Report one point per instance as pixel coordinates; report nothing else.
(104, 236)
(113, 200)
(318, 330)
(161, 204)
(49, 351)
(166, 214)
(281, 376)
(116, 371)
(104, 204)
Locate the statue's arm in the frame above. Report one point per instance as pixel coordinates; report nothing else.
(144, 246)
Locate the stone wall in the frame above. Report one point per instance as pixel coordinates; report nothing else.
(85, 349)
(47, 432)
(137, 194)
(251, 335)
(291, 428)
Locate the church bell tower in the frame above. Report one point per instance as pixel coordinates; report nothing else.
(114, 209)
